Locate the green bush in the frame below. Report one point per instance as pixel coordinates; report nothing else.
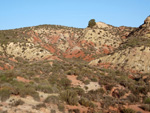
(52, 99)
(86, 82)
(42, 105)
(85, 102)
(127, 110)
(18, 102)
(95, 95)
(65, 82)
(70, 97)
(25, 89)
(61, 107)
(91, 23)
(79, 91)
(74, 111)
(136, 41)
(109, 86)
(132, 98)
(53, 111)
(5, 94)
(94, 79)
(147, 100)
(44, 88)
(145, 107)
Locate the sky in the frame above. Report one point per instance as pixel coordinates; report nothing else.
(72, 13)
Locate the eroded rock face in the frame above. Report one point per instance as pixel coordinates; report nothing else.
(143, 31)
(106, 38)
(102, 37)
(26, 50)
(101, 25)
(130, 59)
(147, 23)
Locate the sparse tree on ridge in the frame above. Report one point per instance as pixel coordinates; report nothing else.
(91, 23)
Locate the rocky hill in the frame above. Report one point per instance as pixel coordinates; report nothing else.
(133, 54)
(59, 69)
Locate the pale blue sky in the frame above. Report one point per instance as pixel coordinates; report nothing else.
(74, 13)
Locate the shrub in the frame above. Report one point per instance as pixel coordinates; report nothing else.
(133, 98)
(52, 99)
(70, 97)
(145, 107)
(86, 82)
(25, 89)
(18, 102)
(53, 111)
(109, 86)
(95, 95)
(85, 102)
(118, 93)
(65, 82)
(74, 111)
(91, 23)
(4, 94)
(79, 91)
(147, 100)
(45, 88)
(94, 79)
(136, 41)
(35, 95)
(42, 105)
(61, 107)
(108, 101)
(127, 110)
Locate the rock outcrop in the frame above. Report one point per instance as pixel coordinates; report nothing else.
(143, 31)
(134, 59)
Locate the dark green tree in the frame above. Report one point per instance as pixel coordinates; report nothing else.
(91, 23)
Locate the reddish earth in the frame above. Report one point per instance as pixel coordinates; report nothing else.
(1, 68)
(137, 108)
(51, 63)
(123, 37)
(81, 108)
(105, 65)
(55, 39)
(49, 57)
(21, 79)
(74, 54)
(70, 43)
(37, 40)
(7, 67)
(49, 48)
(86, 43)
(106, 50)
(12, 59)
(113, 109)
(131, 76)
(74, 80)
(88, 58)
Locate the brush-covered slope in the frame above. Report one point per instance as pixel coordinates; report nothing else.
(38, 42)
(132, 54)
(106, 38)
(45, 69)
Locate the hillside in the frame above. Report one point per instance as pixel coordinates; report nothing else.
(133, 54)
(59, 69)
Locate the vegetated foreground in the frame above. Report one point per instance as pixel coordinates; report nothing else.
(58, 69)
